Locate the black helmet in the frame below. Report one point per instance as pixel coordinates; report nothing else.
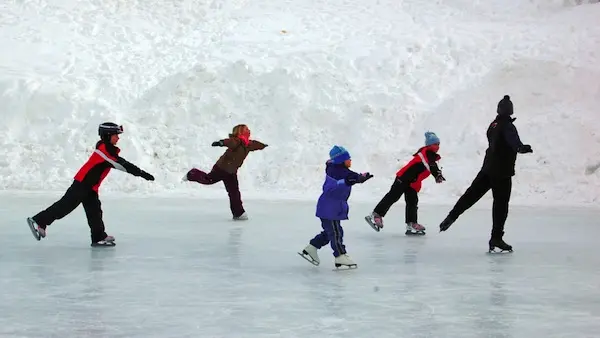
(107, 129)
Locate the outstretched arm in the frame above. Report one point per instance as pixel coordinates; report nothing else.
(231, 143)
(256, 145)
(124, 165)
(511, 135)
(133, 169)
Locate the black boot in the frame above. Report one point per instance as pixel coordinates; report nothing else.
(497, 242)
(446, 223)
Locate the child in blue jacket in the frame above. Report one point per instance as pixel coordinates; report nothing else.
(332, 207)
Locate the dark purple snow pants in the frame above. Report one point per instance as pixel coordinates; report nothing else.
(231, 185)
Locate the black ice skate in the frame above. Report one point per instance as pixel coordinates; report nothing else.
(446, 223)
(500, 244)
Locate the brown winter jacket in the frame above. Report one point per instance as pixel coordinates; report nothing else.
(236, 153)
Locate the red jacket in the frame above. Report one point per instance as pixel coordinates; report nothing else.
(104, 158)
(420, 167)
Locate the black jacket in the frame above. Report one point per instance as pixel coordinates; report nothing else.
(504, 143)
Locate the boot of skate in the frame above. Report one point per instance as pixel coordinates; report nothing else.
(312, 252)
(446, 223)
(344, 260)
(413, 228)
(500, 244)
(375, 221)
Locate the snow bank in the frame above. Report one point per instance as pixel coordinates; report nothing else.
(304, 76)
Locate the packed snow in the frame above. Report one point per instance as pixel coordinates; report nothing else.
(304, 75)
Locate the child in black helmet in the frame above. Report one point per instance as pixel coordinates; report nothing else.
(84, 189)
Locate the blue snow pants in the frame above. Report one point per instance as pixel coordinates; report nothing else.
(333, 234)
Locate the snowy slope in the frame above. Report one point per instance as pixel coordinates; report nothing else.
(372, 76)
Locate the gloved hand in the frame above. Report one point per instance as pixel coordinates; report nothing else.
(146, 176)
(524, 149)
(362, 178)
(439, 178)
(219, 143)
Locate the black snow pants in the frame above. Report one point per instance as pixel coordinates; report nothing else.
(77, 193)
(501, 189)
(398, 189)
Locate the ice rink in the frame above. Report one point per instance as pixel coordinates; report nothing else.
(182, 268)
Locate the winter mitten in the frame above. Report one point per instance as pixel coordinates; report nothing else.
(146, 176)
(524, 149)
(219, 143)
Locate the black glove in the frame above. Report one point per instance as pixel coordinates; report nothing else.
(524, 149)
(146, 176)
(439, 178)
(219, 143)
(360, 179)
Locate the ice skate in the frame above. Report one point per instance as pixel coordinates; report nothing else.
(37, 231)
(500, 244)
(107, 241)
(344, 261)
(375, 221)
(446, 223)
(242, 217)
(185, 178)
(310, 254)
(414, 229)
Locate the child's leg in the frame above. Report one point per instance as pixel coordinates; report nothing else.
(315, 244)
(335, 233)
(61, 208)
(199, 176)
(412, 201)
(320, 240)
(390, 198)
(93, 212)
(235, 197)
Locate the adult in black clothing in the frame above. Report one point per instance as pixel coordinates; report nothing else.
(495, 174)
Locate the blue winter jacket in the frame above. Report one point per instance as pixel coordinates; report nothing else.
(333, 202)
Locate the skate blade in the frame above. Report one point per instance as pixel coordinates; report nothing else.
(34, 231)
(493, 251)
(373, 225)
(345, 267)
(103, 245)
(410, 233)
(313, 262)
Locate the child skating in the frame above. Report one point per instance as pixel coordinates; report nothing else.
(239, 145)
(84, 189)
(332, 208)
(408, 183)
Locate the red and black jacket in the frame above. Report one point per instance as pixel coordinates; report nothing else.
(420, 167)
(105, 157)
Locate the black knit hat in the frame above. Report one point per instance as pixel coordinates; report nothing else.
(505, 106)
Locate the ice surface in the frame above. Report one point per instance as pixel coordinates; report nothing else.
(372, 76)
(182, 268)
